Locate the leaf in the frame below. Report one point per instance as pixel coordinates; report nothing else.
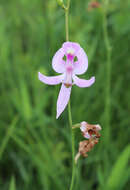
(119, 170)
(8, 135)
(12, 185)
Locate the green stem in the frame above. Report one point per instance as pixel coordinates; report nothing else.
(73, 146)
(69, 115)
(66, 24)
(67, 20)
(69, 107)
(108, 75)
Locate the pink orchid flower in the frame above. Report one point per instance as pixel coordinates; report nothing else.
(70, 60)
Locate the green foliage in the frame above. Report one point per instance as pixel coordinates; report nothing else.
(34, 146)
(12, 184)
(120, 171)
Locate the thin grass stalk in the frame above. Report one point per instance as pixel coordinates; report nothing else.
(108, 74)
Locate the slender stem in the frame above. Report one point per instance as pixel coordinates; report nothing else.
(69, 107)
(67, 24)
(108, 74)
(67, 20)
(69, 115)
(73, 146)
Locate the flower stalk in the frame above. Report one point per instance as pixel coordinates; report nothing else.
(73, 146)
(108, 73)
(69, 106)
(67, 20)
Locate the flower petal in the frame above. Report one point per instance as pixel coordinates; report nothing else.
(63, 99)
(50, 80)
(82, 64)
(83, 83)
(58, 63)
(83, 126)
(86, 135)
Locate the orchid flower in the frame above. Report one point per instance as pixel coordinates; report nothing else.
(70, 60)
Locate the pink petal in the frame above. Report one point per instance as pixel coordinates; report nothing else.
(58, 63)
(50, 80)
(83, 126)
(63, 99)
(71, 45)
(86, 135)
(81, 65)
(83, 83)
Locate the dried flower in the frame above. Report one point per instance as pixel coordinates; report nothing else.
(70, 60)
(93, 5)
(90, 132)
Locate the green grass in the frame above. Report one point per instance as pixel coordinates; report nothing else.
(35, 148)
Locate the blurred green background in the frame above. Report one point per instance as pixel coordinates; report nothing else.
(35, 148)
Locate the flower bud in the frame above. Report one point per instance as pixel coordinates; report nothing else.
(60, 3)
(93, 5)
